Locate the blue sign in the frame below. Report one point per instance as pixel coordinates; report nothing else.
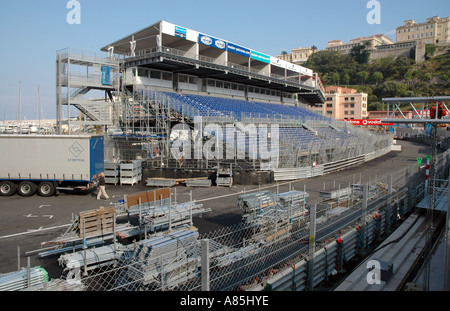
(106, 75)
(211, 41)
(238, 49)
(180, 32)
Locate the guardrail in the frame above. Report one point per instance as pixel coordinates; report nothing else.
(282, 174)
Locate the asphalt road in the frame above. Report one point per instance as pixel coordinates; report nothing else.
(26, 222)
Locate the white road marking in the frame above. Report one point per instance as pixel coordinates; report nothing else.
(34, 231)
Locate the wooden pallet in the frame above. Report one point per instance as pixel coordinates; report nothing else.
(96, 223)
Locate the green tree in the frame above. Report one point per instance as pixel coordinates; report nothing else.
(360, 54)
(377, 77)
(345, 79)
(391, 89)
(335, 77)
(362, 76)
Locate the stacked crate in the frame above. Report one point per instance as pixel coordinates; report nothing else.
(130, 172)
(111, 172)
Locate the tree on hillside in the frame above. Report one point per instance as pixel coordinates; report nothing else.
(346, 79)
(362, 76)
(377, 77)
(391, 89)
(335, 77)
(360, 54)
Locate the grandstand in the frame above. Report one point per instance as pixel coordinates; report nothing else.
(165, 74)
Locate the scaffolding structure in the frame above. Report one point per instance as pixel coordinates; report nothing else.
(77, 74)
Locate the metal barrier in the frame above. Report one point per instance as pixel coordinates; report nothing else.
(322, 169)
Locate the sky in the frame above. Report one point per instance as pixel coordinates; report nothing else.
(31, 31)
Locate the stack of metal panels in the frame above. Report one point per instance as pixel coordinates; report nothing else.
(146, 208)
(224, 178)
(293, 197)
(111, 172)
(275, 214)
(169, 258)
(198, 183)
(95, 257)
(336, 193)
(159, 182)
(162, 216)
(256, 201)
(18, 280)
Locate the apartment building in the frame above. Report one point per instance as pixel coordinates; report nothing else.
(370, 43)
(343, 103)
(298, 55)
(435, 30)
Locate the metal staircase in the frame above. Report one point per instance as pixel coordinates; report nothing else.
(80, 75)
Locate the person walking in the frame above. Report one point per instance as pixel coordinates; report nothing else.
(101, 186)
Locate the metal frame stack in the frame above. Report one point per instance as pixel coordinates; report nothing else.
(111, 172)
(256, 201)
(224, 178)
(171, 216)
(20, 280)
(130, 172)
(91, 258)
(166, 260)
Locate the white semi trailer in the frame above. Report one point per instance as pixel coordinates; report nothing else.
(49, 163)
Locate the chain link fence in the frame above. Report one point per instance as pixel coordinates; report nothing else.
(274, 242)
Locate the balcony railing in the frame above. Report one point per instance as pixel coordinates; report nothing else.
(102, 57)
(151, 52)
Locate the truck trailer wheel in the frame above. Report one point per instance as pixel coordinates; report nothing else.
(46, 189)
(7, 188)
(26, 188)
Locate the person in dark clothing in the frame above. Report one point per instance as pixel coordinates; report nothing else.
(101, 186)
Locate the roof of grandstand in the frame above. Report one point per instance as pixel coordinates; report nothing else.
(169, 47)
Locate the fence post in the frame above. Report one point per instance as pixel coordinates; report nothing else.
(18, 258)
(312, 247)
(84, 248)
(410, 187)
(205, 264)
(28, 272)
(363, 227)
(389, 205)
